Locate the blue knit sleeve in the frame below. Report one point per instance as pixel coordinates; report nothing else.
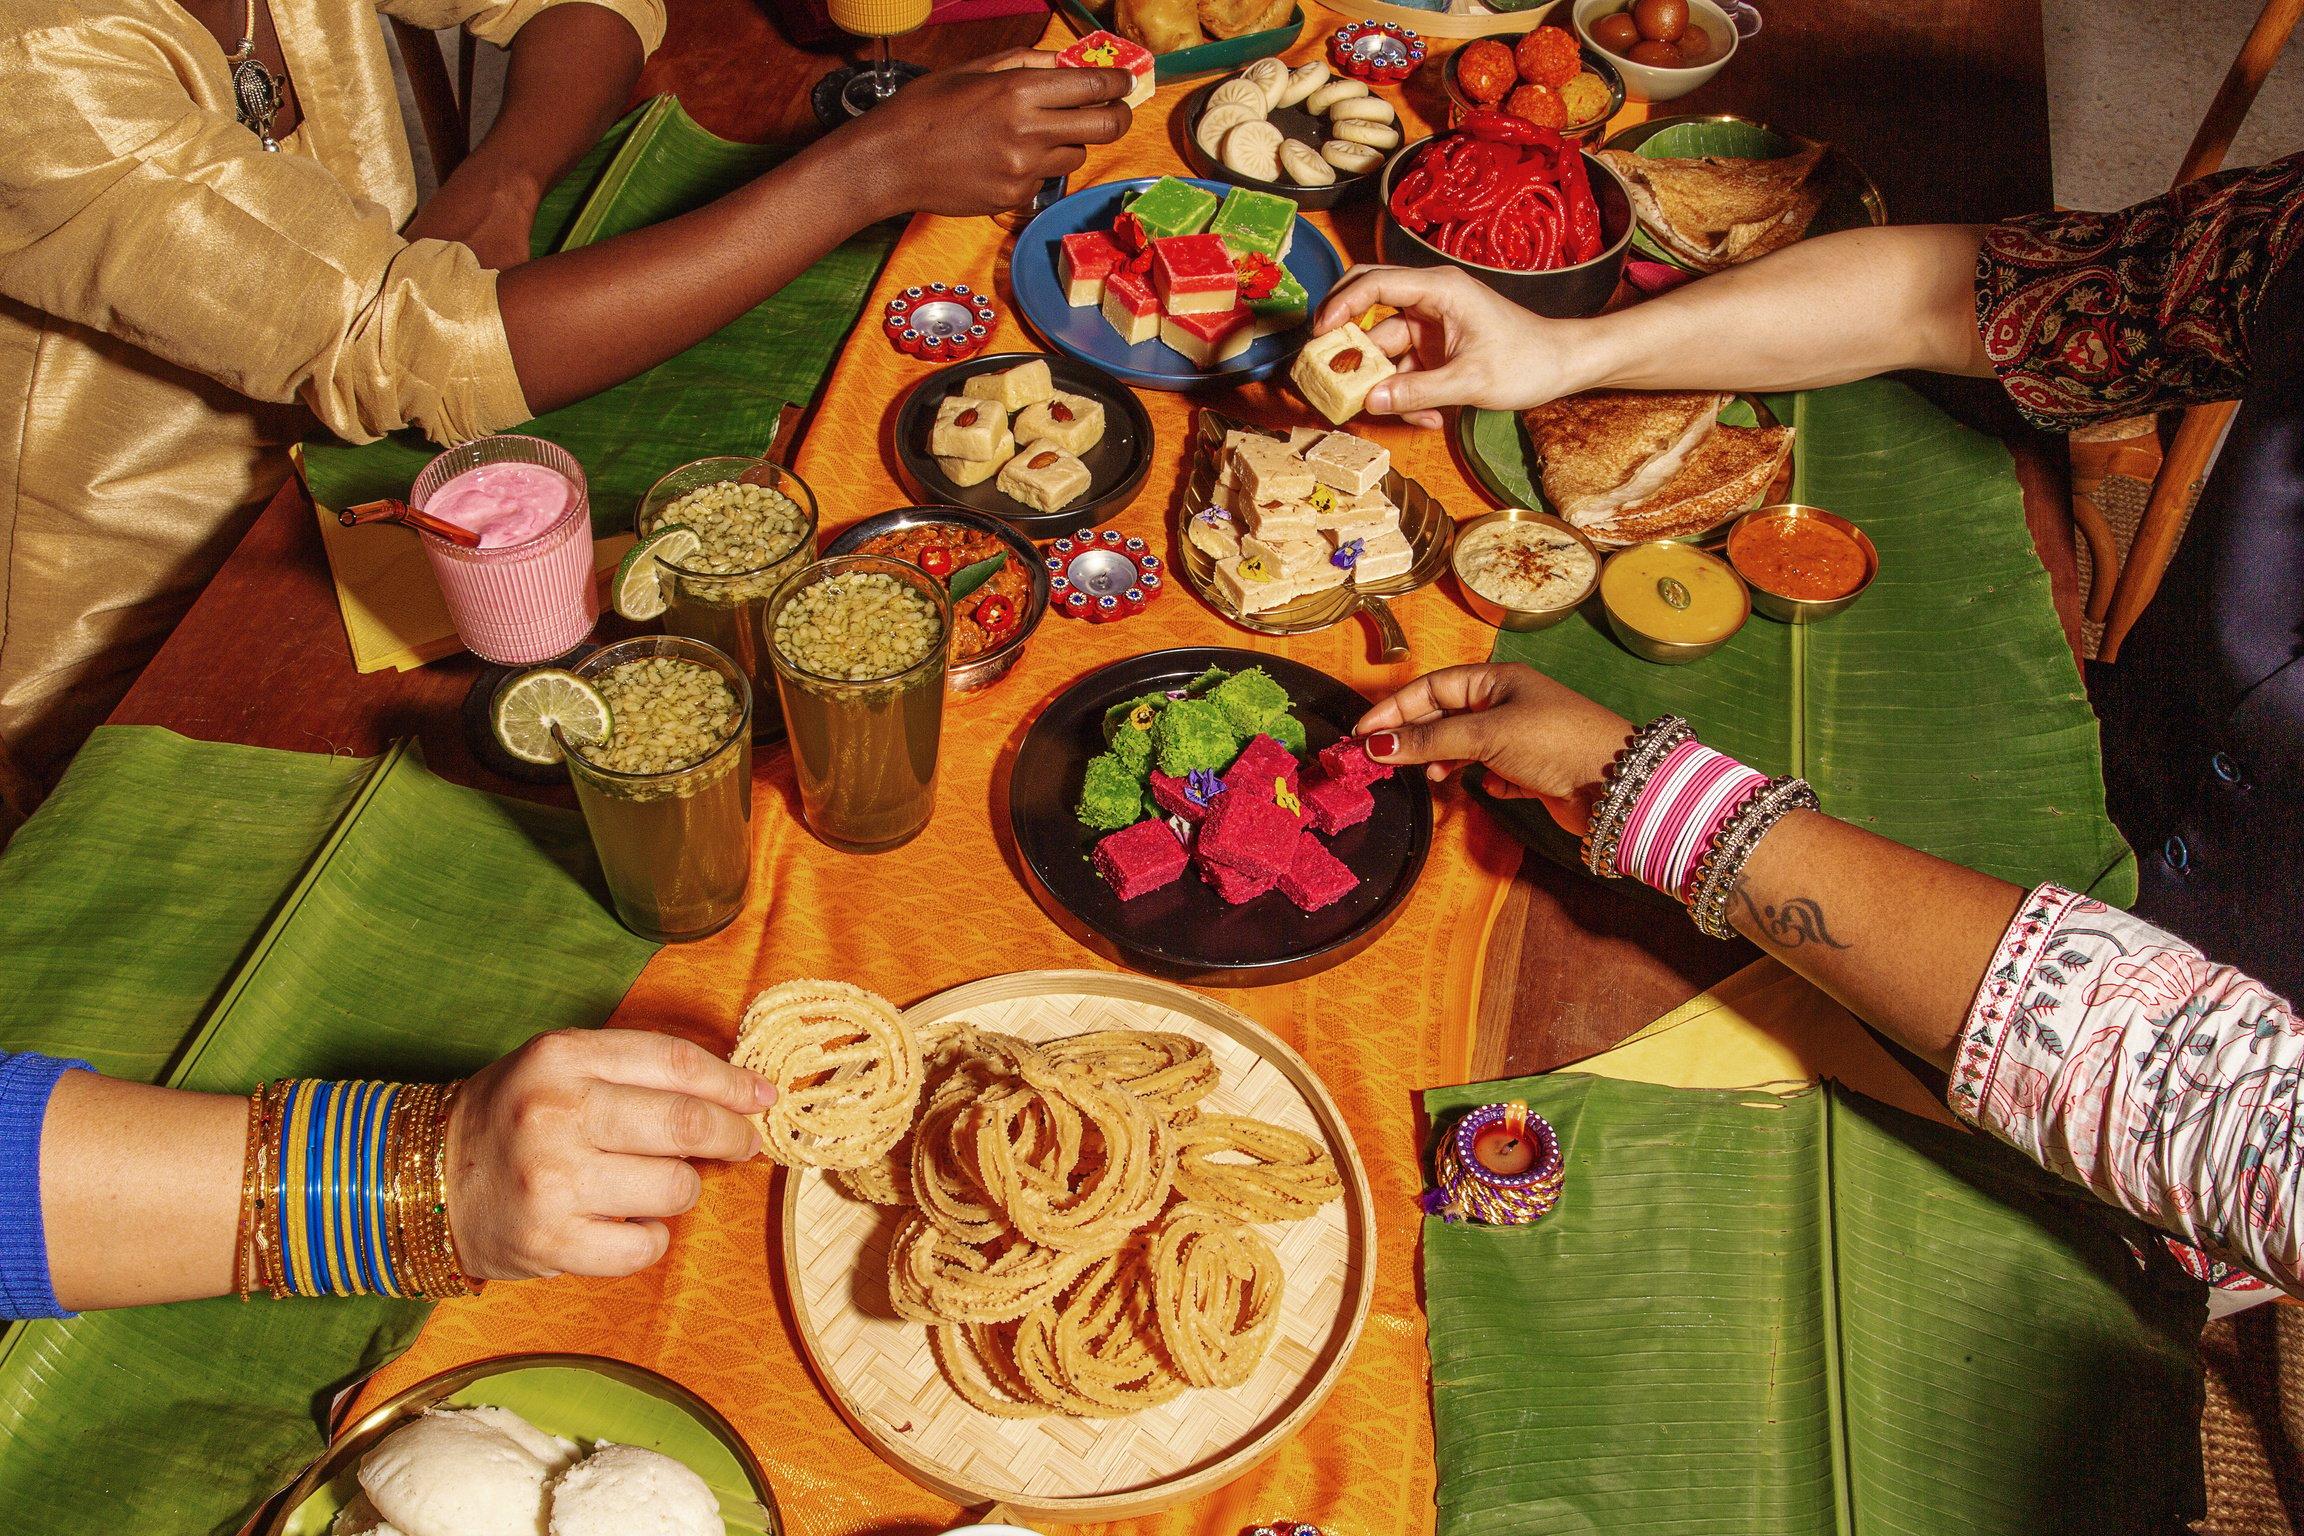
(26, 1081)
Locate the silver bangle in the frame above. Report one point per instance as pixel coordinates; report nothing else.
(1732, 846)
(1627, 776)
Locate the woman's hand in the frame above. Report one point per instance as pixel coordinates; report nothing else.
(1539, 739)
(982, 137)
(565, 1156)
(1457, 341)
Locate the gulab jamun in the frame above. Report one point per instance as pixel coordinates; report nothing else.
(1616, 32)
(1660, 21)
(1658, 56)
(1694, 43)
(1486, 71)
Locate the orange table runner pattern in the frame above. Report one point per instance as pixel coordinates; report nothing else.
(950, 907)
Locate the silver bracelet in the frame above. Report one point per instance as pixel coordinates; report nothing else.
(1627, 776)
(1732, 845)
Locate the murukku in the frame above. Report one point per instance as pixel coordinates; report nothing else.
(979, 1360)
(1172, 1071)
(886, 1180)
(1075, 1164)
(1097, 1353)
(846, 1069)
(1287, 1175)
(1216, 1292)
(932, 1279)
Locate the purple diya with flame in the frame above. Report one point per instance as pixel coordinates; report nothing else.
(1500, 1165)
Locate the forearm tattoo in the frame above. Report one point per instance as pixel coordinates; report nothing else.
(1795, 924)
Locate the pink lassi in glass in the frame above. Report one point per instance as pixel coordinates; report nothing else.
(527, 594)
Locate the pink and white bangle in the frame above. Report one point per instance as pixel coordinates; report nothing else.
(1680, 810)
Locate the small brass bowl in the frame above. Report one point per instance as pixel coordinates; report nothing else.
(1672, 653)
(1802, 610)
(1521, 620)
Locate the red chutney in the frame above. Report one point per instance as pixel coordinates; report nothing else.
(1802, 558)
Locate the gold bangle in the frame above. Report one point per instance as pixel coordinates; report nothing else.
(251, 1169)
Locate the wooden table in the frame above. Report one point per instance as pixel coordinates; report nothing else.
(1904, 85)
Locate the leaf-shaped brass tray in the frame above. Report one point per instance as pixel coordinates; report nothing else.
(1429, 529)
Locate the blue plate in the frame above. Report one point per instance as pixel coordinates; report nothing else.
(1082, 333)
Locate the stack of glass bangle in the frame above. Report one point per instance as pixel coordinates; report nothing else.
(1468, 1192)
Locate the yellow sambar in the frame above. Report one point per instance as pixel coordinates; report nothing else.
(1675, 595)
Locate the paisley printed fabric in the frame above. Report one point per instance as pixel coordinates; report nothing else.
(2090, 317)
(2118, 1056)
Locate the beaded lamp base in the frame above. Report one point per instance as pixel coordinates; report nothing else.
(1468, 1191)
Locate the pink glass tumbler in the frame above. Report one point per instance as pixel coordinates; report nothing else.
(518, 603)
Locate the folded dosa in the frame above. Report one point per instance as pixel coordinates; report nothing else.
(1607, 448)
(1729, 470)
(1713, 211)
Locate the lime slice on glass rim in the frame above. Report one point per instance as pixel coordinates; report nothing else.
(528, 706)
(639, 587)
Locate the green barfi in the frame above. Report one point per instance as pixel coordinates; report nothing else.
(1195, 733)
(1284, 306)
(1134, 748)
(1171, 207)
(1125, 713)
(1249, 699)
(1287, 730)
(1254, 221)
(1111, 798)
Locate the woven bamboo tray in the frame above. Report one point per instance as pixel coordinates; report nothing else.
(882, 1377)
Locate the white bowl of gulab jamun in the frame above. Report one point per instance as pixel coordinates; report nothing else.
(1663, 48)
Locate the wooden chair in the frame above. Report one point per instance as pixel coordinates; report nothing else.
(2119, 603)
(444, 109)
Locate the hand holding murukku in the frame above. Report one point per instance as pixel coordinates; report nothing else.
(846, 1069)
(933, 1279)
(1283, 1175)
(1173, 1072)
(1216, 1292)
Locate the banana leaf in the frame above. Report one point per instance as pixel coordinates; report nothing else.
(1753, 1316)
(1943, 709)
(212, 915)
(723, 395)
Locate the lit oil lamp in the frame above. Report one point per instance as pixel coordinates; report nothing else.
(1500, 1165)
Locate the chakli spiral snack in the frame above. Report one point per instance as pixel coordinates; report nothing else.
(1172, 1071)
(1286, 1177)
(1075, 1164)
(933, 1279)
(1216, 1291)
(846, 1069)
(1097, 1354)
(979, 1360)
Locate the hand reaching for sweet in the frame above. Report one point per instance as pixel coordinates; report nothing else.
(566, 1156)
(1457, 341)
(982, 137)
(1538, 739)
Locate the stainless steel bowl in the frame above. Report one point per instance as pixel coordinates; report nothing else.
(1802, 610)
(978, 673)
(1672, 653)
(1521, 620)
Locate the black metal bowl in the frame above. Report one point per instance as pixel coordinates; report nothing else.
(1294, 122)
(1564, 293)
(978, 672)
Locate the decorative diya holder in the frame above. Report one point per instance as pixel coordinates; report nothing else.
(1101, 577)
(943, 322)
(1379, 52)
(1500, 1165)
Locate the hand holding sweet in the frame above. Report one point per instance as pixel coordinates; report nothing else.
(982, 137)
(565, 1156)
(1457, 342)
(1538, 739)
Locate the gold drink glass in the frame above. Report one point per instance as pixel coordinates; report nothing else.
(866, 86)
(676, 847)
(864, 750)
(729, 610)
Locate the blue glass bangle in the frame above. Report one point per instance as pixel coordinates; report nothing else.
(371, 1201)
(356, 1196)
(342, 1246)
(315, 1135)
(379, 1239)
(283, 1171)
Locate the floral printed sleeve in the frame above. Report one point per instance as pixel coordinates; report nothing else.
(2118, 1056)
(2090, 317)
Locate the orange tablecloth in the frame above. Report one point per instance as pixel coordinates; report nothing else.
(949, 908)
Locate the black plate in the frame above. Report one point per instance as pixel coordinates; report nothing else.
(1293, 122)
(1185, 931)
(1117, 464)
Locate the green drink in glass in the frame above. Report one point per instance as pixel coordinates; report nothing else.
(757, 525)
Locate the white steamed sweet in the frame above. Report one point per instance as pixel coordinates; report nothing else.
(1361, 131)
(359, 1518)
(1246, 92)
(1270, 76)
(1304, 80)
(1216, 122)
(451, 1473)
(1333, 92)
(1253, 150)
(557, 1452)
(1301, 163)
(628, 1490)
(1373, 108)
(1350, 158)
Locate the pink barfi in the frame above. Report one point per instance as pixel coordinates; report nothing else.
(1316, 877)
(1170, 794)
(1130, 306)
(1261, 762)
(1349, 761)
(1109, 50)
(1140, 858)
(1248, 833)
(1334, 804)
(1234, 886)
(1084, 261)
(1209, 339)
(1195, 275)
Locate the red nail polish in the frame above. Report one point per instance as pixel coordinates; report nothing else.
(1383, 744)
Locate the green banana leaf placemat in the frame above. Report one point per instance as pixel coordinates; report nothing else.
(1754, 1316)
(722, 395)
(211, 915)
(1943, 710)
